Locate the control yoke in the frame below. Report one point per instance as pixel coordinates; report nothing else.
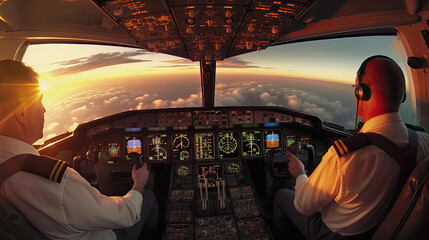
(277, 164)
(135, 157)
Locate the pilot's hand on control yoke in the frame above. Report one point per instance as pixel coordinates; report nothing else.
(295, 165)
(140, 177)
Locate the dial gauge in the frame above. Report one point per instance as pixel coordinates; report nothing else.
(204, 146)
(181, 141)
(157, 147)
(228, 144)
(251, 143)
(272, 140)
(234, 168)
(184, 155)
(114, 149)
(181, 146)
(183, 170)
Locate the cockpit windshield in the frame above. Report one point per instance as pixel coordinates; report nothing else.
(314, 77)
(83, 82)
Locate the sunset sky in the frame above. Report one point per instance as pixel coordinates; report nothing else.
(84, 82)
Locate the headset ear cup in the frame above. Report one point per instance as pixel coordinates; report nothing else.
(363, 92)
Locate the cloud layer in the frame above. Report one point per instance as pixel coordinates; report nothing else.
(90, 104)
(97, 61)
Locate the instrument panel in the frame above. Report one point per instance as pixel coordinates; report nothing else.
(195, 134)
(202, 146)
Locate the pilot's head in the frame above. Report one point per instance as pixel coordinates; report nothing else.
(21, 109)
(385, 89)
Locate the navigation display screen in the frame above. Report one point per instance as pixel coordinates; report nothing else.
(181, 147)
(251, 143)
(204, 146)
(272, 139)
(211, 172)
(114, 149)
(305, 140)
(228, 145)
(133, 145)
(290, 140)
(157, 147)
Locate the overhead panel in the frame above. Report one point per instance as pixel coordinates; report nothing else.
(204, 30)
(208, 27)
(149, 23)
(264, 22)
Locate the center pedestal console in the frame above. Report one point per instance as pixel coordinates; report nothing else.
(213, 201)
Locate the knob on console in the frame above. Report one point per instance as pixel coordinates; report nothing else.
(104, 157)
(92, 156)
(295, 148)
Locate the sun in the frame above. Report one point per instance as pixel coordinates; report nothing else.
(43, 86)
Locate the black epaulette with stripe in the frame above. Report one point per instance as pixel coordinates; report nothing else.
(44, 166)
(350, 144)
(353, 143)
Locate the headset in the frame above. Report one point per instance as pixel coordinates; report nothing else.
(362, 90)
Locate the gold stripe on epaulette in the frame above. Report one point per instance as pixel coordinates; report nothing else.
(53, 170)
(339, 148)
(346, 151)
(59, 170)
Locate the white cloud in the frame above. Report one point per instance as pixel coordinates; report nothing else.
(83, 108)
(52, 125)
(112, 99)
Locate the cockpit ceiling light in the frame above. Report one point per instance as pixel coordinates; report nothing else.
(228, 13)
(118, 11)
(217, 46)
(189, 30)
(251, 28)
(210, 22)
(191, 13)
(228, 30)
(275, 30)
(228, 20)
(190, 21)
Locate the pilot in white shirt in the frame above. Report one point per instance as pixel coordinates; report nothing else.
(71, 209)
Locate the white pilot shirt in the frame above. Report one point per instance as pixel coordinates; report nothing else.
(72, 209)
(354, 191)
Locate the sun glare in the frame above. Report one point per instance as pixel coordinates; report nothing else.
(43, 86)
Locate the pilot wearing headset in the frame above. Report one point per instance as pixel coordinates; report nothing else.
(349, 193)
(70, 208)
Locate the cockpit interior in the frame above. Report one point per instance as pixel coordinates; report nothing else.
(214, 166)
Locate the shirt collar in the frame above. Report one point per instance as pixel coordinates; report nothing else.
(10, 147)
(378, 121)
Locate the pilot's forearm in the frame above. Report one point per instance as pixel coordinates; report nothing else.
(316, 191)
(87, 209)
